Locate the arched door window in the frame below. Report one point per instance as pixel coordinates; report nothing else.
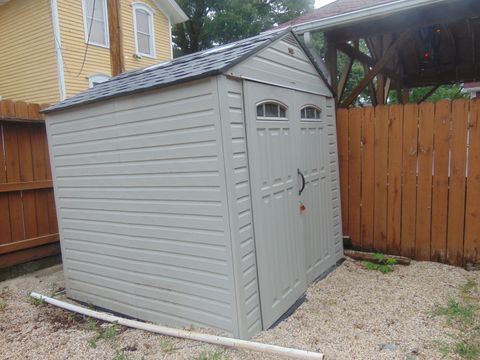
(271, 110)
(310, 113)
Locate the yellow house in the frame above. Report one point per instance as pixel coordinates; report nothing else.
(53, 49)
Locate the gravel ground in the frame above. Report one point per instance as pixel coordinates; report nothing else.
(352, 314)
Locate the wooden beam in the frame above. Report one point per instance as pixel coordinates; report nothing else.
(388, 86)
(29, 243)
(371, 87)
(22, 186)
(365, 59)
(117, 60)
(331, 61)
(377, 68)
(428, 94)
(343, 79)
(405, 95)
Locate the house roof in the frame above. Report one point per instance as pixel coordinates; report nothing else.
(179, 70)
(337, 7)
(168, 7)
(343, 12)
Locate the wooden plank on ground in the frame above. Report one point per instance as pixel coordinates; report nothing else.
(368, 178)
(424, 187)
(354, 175)
(395, 140)
(342, 134)
(456, 201)
(381, 166)
(472, 216)
(27, 255)
(409, 182)
(443, 112)
(10, 132)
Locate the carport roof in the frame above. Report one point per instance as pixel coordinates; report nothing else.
(186, 68)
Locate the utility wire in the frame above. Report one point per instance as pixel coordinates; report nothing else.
(88, 40)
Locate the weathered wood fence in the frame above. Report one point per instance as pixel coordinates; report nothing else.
(410, 179)
(28, 223)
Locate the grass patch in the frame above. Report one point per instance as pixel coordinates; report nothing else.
(463, 316)
(167, 346)
(381, 263)
(455, 311)
(212, 355)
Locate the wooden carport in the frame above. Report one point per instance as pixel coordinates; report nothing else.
(410, 173)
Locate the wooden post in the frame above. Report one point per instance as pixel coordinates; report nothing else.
(116, 40)
(331, 60)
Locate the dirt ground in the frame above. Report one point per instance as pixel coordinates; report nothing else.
(354, 313)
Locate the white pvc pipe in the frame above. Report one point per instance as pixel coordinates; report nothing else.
(163, 330)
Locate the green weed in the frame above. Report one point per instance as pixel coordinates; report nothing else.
(469, 287)
(3, 304)
(382, 263)
(456, 311)
(107, 333)
(35, 301)
(467, 350)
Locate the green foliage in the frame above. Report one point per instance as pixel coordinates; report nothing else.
(167, 346)
(444, 92)
(221, 21)
(455, 311)
(3, 304)
(382, 263)
(464, 317)
(213, 355)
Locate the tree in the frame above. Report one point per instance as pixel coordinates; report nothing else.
(214, 22)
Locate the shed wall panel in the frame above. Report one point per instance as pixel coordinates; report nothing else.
(241, 218)
(283, 63)
(142, 204)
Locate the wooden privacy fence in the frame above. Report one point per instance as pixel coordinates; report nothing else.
(28, 223)
(410, 179)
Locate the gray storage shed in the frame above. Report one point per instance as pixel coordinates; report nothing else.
(203, 190)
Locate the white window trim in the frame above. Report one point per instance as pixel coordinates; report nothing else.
(151, 25)
(314, 107)
(86, 25)
(96, 77)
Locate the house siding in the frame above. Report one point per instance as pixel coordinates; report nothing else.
(142, 206)
(97, 60)
(28, 68)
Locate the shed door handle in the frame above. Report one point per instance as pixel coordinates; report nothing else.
(303, 182)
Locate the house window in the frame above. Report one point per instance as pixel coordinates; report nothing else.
(144, 33)
(97, 79)
(310, 113)
(95, 22)
(271, 111)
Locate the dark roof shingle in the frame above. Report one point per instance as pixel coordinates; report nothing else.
(186, 68)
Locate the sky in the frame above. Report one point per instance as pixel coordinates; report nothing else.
(319, 3)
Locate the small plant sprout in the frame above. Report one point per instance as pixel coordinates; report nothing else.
(167, 346)
(35, 301)
(455, 311)
(107, 333)
(382, 263)
(3, 304)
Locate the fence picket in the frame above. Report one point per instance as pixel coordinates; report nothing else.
(472, 217)
(342, 133)
(381, 167)
(368, 178)
(441, 150)
(354, 175)
(456, 201)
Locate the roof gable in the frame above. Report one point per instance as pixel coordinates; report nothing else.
(186, 68)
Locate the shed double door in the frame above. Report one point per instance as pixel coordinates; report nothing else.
(287, 152)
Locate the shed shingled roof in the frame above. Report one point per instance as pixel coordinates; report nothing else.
(179, 70)
(335, 8)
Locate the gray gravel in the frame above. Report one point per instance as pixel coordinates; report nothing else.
(352, 314)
